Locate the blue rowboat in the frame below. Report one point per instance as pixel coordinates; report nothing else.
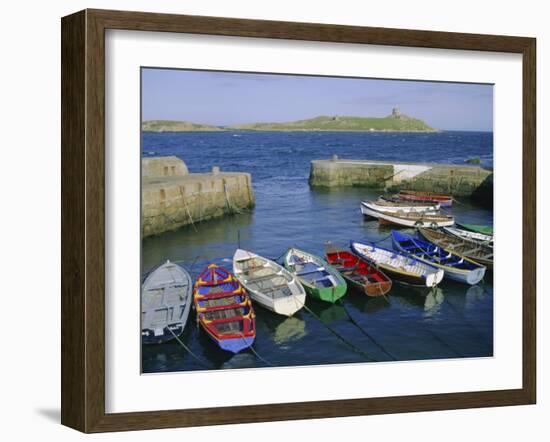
(455, 266)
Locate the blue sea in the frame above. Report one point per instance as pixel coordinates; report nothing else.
(452, 321)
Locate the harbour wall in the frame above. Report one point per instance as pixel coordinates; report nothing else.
(172, 197)
(389, 176)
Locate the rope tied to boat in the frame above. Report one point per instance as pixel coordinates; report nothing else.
(265, 361)
(367, 334)
(379, 240)
(340, 337)
(188, 350)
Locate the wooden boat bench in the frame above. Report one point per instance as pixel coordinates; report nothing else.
(307, 272)
(347, 269)
(263, 277)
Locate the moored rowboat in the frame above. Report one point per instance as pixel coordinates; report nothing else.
(399, 266)
(413, 195)
(224, 309)
(320, 280)
(410, 219)
(479, 228)
(403, 207)
(269, 284)
(359, 273)
(165, 303)
(475, 251)
(456, 267)
(396, 201)
(473, 236)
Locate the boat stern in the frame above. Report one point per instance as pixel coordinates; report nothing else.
(434, 278)
(289, 305)
(235, 345)
(476, 275)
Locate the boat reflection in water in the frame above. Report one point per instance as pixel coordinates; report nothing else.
(240, 360)
(328, 313)
(289, 330)
(433, 301)
(474, 295)
(374, 305)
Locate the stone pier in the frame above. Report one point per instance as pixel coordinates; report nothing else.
(391, 176)
(172, 197)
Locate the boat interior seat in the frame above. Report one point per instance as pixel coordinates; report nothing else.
(263, 277)
(347, 269)
(310, 270)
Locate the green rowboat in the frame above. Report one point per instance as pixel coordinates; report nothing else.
(479, 228)
(320, 280)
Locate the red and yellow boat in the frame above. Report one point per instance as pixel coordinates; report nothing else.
(224, 309)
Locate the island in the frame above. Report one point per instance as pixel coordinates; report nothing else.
(395, 122)
(176, 126)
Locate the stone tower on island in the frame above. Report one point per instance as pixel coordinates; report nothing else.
(396, 113)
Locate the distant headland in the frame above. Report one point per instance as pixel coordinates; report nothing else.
(395, 122)
(176, 126)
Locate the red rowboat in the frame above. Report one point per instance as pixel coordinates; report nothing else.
(413, 195)
(358, 272)
(224, 309)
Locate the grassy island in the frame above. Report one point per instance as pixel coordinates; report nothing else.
(395, 122)
(176, 126)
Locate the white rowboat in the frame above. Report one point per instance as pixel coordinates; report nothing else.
(383, 206)
(166, 297)
(269, 284)
(410, 219)
(474, 236)
(398, 265)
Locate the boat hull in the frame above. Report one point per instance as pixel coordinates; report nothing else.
(411, 219)
(478, 228)
(223, 309)
(286, 305)
(236, 345)
(474, 251)
(398, 266)
(411, 195)
(399, 209)
(359, 274)
(469, 235)
(169, 333)
(472, 275)
(321, 272)
(166, 299)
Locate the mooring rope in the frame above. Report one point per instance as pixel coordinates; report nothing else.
(340, 337)
(231, 208)
(265, 361)
(379, 240)
(367, 334)
(457, 201)
(187, 208)
(443, 342)
(200, 360)
(253, 350)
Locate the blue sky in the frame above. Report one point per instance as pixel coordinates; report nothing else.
(224, 98)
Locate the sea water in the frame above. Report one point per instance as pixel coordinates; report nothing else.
(452, 321)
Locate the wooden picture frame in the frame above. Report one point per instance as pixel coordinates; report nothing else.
(83, 219)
